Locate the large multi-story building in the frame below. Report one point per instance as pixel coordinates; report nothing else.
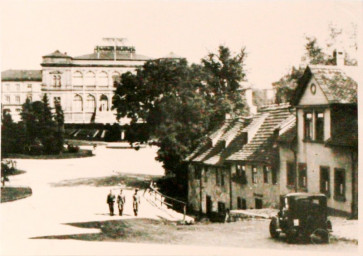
(16, 87)
(84, 85)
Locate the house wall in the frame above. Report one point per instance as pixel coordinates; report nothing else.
(193, 190)
(316, 154)
(268, 192)
(217, 192)
(286, 155)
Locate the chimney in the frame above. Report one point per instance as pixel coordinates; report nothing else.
(339, 58)
(249, 101)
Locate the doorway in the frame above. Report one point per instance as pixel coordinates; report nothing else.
(258, 203)
(209, 204)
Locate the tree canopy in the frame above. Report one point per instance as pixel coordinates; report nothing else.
(179, 103)
(316, 54)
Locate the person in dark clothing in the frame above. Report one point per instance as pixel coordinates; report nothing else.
(120, 202)
(111, 201)
(136, 202)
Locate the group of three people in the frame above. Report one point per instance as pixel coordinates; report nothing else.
(121, 200)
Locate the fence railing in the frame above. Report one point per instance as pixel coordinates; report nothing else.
(159, 197)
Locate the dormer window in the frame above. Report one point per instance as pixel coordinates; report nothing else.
(308, 125)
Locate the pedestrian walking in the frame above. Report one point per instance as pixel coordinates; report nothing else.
(136, 202)
(110, 201)
(121, 202)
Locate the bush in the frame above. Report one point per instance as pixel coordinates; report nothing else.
(73, 149)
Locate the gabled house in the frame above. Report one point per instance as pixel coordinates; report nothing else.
(237, 165)
(255, 167)
(320, 153)
(208, 175)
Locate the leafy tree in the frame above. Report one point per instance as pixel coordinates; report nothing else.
(223, 73)
(179, 103)
(316, 54)
(12, 136)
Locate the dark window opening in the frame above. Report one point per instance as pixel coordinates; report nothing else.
(254, 174)
(206, 174)
(339, 184)
(258, 203)
(198, 172)
(308, 125)
(241, 173)
(325, 180)
(241, 203)
(290, 174)
(274, 176)
(319, 127)
(265, 174)
(222, 177)
(221, 207)
(303, 179)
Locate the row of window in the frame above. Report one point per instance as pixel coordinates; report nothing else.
(314, 125)
(89, 79)
(7, 99)
(241, 176)
(17, 87)
(90, 103)
(339, 179)
(241, 204)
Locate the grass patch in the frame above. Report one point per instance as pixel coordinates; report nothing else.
(84, 142)
(247, 233)
(64, 155)
(141, 181)
(9, 194)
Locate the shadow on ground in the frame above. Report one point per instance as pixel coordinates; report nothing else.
(249, 234)
(129, 180)
(130, 230)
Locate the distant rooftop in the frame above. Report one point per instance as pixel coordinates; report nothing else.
(21, 75)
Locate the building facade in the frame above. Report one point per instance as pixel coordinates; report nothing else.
(323, 157)
(84, 85)
(16, 87)
(237, 167)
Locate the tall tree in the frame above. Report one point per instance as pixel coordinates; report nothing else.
(223, 73)
(179, 103)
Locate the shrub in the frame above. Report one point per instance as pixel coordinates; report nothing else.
(73, 149)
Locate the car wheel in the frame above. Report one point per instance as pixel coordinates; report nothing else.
(273, 229)
(320, 236)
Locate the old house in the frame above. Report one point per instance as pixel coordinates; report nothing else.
(320, 153)
(255, 167)
(237, 165)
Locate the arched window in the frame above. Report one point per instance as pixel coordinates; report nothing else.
(116, 77)
(78, 103)
(102, 79)
(103, 103)
(91, 103)
(90, 79)
(77, 78)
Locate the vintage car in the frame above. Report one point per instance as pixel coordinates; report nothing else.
(302, 217)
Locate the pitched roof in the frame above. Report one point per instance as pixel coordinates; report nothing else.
(57, 54)
(261, 147)
(21, 75)
(109, 55)
(335, 84)
(219, 142)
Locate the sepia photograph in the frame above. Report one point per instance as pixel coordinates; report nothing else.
(178, 127)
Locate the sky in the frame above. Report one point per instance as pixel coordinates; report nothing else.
(273, 32)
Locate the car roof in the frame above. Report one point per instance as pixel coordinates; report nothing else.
(301, 194)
